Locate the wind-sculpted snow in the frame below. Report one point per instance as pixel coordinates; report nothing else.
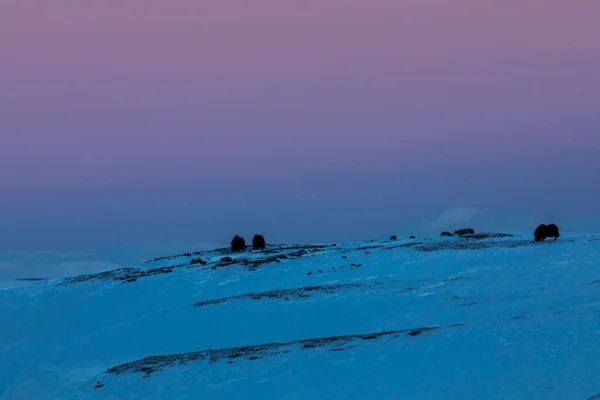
(481, 316)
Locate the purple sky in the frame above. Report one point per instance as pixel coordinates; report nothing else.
(187, 120)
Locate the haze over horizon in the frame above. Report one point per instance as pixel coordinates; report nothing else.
(185, 122)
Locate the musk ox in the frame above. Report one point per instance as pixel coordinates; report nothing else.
(238, 243)
(258, 242)
(545, 231)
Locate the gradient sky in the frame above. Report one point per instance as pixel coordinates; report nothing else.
(186, 120)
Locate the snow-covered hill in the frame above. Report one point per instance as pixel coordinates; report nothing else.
(478, 318)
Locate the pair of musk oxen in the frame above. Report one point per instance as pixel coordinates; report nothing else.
(239, 244)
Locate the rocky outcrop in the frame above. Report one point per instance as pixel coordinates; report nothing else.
(155, 363)
(446, 234)
(464, 231)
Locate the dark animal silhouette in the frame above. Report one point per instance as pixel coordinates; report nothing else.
(238, 244)
(258, 242)
(393, 237)
(545, 231)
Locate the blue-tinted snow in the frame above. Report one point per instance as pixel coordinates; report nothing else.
(530, 315)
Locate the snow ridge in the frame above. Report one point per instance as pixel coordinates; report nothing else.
(487, 316)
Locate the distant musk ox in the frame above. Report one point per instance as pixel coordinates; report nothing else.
(545, 231)
(238, 243)
(466, 231)
(258, 242)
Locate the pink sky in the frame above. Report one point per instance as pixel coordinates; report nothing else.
(300, 104)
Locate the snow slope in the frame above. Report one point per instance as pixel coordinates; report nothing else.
(492, 318)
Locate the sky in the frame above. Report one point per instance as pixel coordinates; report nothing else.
(185, 122)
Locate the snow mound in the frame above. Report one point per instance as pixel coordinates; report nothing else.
(493, 317)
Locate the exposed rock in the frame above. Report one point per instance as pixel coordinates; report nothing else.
(31, 279)
(258, 242)
(464, 231)
(472, 245)
(152, 364)
(196, 253)
(412, 237)
(226, 259)
(446, 234)
(198, 261)
(393, 237)
(122, 274)
(287, 294)
(487, 235)
(238, 244)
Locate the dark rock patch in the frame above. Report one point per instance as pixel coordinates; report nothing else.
(196, 253)
(418, 331)
(393, 237)
(597, 281)
(446, 234)
(412, 237)
(517, 318)
(31, 279)
(472, 245)
(288, 294)
(479, 236)
(198, 261)
(464, 231)
(381, 246)
(306, 247)
(152, 364)
(253, 265)
(351, 266)
(122, 274)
